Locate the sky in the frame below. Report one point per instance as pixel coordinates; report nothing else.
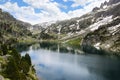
(39, 11)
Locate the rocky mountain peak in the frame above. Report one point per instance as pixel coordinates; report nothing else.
(110, 2)
(113, 2)
(105, 4)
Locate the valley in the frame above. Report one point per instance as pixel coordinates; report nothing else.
(88, 44)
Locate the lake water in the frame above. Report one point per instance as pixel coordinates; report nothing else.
(53, 62)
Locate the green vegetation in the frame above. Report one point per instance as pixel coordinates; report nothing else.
(43, 35)
(75, 42)
(10, 28)
(14, 66)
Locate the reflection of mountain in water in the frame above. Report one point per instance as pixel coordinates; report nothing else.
(105, 67)
(63, 48)
(56, 47)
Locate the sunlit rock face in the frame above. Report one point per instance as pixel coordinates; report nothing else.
(105, 32)
(106, 36)
(113, 2)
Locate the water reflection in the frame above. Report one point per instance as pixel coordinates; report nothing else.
(60, 48)
(50, 64)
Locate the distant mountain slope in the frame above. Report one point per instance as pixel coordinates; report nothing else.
(11, 27)
(38, 28)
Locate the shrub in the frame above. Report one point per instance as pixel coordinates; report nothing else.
(28, 59)
(12, 71)
(24, 65)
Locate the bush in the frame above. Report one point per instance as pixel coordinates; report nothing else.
(24, 65)
(16, 67)
(12, 71)
(16, 55)
(4, 49)
(28, 59)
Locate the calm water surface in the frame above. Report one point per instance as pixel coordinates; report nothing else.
(56, 63)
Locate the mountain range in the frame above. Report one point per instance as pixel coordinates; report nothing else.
(99, 28)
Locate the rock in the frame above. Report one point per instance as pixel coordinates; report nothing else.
(1, 78)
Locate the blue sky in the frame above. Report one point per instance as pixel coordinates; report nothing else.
(38, 11)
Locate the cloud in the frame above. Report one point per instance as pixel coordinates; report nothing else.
(81, 2)
(50, 10)
(22, 13)
(86, 7)
(77, 3)
(46, 5)
(65, 0)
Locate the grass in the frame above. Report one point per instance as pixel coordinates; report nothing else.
(1, 59)
(27, 40)
(74, 42)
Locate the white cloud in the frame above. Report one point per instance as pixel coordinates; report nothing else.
(62, 6)
(46, 5)
(87, 8)
(80, 2)
(21, 13)
(37, 3)
(49, 13)
(85, 2)
(50, 10)
(65, 0)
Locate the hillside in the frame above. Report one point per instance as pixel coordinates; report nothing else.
(12, 28)
(13, 66)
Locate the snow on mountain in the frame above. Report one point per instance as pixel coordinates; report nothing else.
(96, 25)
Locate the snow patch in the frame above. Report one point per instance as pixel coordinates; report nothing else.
(97, 45)
(46, 24)
(84, 18)
(59, 29)
(78, 27)
(72, 26)
(113, 29)
(107, 46)
(105, 6)
(93, 19)
(96, 25)
(82, 31)
(69, 34)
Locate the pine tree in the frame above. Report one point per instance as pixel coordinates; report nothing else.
(28, 59)
(12, 71)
